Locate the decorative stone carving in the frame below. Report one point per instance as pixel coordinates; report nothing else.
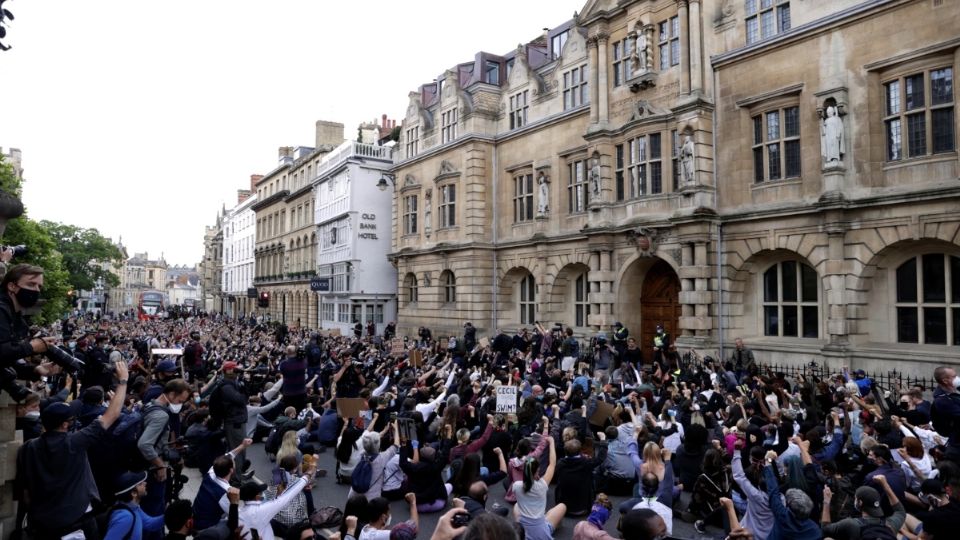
(646, 240)
(643, 109)
(543, 194)
(831, 138)
(409, 180)
(446, 168)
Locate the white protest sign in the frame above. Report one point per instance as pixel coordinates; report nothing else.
(507, 399)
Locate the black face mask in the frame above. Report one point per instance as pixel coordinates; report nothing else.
(27, 298)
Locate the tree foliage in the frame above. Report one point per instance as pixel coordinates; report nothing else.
(83, 251)
(69, 255)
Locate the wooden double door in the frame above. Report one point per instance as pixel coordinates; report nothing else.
(659, 304)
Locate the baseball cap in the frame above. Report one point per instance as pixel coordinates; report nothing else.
(250, 489)
(229, 364)
(870, 500)
(931, 486)
(129, 480)
(55, 414)
(166, 366)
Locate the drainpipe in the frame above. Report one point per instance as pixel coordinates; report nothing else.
(493, 278)
(716, 187)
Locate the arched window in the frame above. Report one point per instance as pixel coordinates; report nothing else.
(410, 288)
(449, 283)
(581, 300)
(928, 300)
(528, 300)
(790, 300)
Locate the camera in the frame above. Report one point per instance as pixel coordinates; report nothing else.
(18, 251)
(461, 520)
(61, 357)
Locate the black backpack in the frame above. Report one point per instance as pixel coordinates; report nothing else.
(362, 477)
(103, 519)
(875, 529)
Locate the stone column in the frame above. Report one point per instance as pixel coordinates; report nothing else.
(834, 281)
(594, 283)
(695, 38)
(684, 48)
(594, 84)
(604, 113)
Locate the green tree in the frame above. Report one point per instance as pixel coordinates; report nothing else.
(41, 251)
(83, 252)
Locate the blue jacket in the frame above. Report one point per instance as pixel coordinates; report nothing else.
(134, 523)
(786, 525)
(944, 414)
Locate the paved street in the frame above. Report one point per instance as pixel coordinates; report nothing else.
(328, 493)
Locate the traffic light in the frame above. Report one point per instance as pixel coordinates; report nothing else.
(264, 300)
(5, 18)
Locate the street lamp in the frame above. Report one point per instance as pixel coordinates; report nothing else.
(382, 184)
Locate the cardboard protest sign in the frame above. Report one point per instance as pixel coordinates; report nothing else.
(506, 399)
(397, 347)
(603, 413)
(407, 429)
(350, 407)
(334, 332)
(416, 358)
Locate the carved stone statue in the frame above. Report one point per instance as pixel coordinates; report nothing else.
(642, 54)
(543, 195)
(687, 159)
(831, 137)
(595, 175)
(427, 212)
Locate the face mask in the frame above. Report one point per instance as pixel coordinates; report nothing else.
(32, 415)
(175, 407)
(389, 519)
(27, 298)
(196, 400)
(956, 382)
(72, 344)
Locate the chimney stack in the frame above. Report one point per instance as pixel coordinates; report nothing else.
(329, 134)
(242, 195)
(254, 178)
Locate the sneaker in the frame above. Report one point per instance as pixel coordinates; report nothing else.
(700, 526)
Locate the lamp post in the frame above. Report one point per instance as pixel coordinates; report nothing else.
(383, 184)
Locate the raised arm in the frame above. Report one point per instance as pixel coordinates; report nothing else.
(116, 403)
(548, 475)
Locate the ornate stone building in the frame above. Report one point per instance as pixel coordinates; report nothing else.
(723, 168)
(286, 238)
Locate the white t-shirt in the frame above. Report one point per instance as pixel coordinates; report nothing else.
(369, 533)
(532, 504)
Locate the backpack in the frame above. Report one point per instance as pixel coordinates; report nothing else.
(875, 529)
(103, 519)
(362, 476)
(215, 405)
(137, 461)
(328, 517)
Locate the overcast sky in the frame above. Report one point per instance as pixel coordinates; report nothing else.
(142, 119)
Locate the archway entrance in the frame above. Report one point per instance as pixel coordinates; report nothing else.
(659, 304)
(648, 295)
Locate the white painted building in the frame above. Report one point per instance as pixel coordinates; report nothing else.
(239, 236)
(353, 217)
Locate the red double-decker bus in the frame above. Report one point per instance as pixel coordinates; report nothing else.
(150, 304)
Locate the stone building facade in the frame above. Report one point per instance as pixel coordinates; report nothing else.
(286, 239)
(239, 238)
(718, 167)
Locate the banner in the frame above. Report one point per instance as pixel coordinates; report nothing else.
(350, 407)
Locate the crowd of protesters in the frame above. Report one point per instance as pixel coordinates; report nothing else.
(736, 450)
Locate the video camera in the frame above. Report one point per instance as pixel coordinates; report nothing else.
(18, 251)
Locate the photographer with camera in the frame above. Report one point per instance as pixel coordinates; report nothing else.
(22, 284)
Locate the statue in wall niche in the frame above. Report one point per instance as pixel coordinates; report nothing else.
(642, 52)
(595, 175)
(831, 137)
(687, 159)
(543, 195)
(427, 212)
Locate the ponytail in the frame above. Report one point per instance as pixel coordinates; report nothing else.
(530, 468)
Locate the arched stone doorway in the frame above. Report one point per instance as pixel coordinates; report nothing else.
(649, 294)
